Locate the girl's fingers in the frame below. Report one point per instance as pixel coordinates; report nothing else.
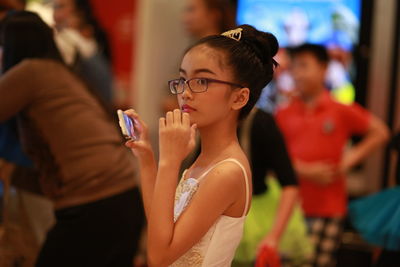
(161, 123)
(177, 117)
(193, 129)
(169, 117)
(139, 123)
(132, 113)
(130, 144)
(192, 140)
(186, 119)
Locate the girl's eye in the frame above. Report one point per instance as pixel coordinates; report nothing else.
(202, 81)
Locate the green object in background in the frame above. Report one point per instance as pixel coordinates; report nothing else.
(344, 94)
(294, 244)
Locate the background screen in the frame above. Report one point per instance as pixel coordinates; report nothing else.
(293, 22)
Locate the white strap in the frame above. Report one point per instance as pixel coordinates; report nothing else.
(184, 173)
(245, 176)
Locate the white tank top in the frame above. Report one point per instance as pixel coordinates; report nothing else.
(217, 247)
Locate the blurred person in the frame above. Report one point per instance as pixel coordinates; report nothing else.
(9, 146)
(316, 130)
(272, 223)
(199, 221)
(202, 18)
(90, 54)
(74, 145)
(376, 217)
(79, 15)
(281, 88)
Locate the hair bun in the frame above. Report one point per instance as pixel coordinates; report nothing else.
(264, 44)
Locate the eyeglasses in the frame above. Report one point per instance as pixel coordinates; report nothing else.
(196, 85)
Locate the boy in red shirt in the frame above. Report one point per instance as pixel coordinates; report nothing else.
(316, 130)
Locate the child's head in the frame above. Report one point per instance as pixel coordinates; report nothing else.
(244, 62)
(309, 64)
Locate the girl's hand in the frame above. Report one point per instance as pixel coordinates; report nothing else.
(141, 147)
(176, 136)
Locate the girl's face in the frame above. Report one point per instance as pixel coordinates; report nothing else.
(220, 101)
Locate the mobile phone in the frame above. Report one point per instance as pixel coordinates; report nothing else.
(128, 126)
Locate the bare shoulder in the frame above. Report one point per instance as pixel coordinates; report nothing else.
(230, 174)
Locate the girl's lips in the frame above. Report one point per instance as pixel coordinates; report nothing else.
(187, 108)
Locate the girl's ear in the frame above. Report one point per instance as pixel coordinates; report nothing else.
(240, 98)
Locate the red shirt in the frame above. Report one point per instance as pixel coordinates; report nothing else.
(321, 134)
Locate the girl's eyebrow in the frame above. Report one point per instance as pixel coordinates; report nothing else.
(198, 71)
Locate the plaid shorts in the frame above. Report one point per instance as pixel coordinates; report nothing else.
(325, 234)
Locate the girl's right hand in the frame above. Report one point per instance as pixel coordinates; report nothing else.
(176, 136)
(141, 147)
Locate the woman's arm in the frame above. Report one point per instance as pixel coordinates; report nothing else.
(18, 87)
(269, 149)
(287, 201)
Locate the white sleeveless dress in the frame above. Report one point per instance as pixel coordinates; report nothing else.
(217, 247)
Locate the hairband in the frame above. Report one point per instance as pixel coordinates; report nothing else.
(235, 34)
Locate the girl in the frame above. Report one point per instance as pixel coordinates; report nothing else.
(200, 222)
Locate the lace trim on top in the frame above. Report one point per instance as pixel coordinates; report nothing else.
(184, 193)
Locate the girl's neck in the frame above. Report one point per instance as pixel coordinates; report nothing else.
(215, 139)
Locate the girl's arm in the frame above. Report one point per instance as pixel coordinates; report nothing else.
(147, 164)
(167, 241)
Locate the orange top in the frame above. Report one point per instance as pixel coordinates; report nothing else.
(321, 134)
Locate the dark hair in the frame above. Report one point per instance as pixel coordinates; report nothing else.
(25, 35)
(318, 51)
(227, 10)
(85, 10)
(250, 58)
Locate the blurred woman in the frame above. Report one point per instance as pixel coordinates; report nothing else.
(202, 18)
(75, 146)
(84, 44)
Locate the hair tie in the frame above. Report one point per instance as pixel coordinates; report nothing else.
(235, 34)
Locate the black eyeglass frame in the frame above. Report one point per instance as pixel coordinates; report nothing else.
(208, 80)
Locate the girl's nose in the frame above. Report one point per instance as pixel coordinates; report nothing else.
(187, 93)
